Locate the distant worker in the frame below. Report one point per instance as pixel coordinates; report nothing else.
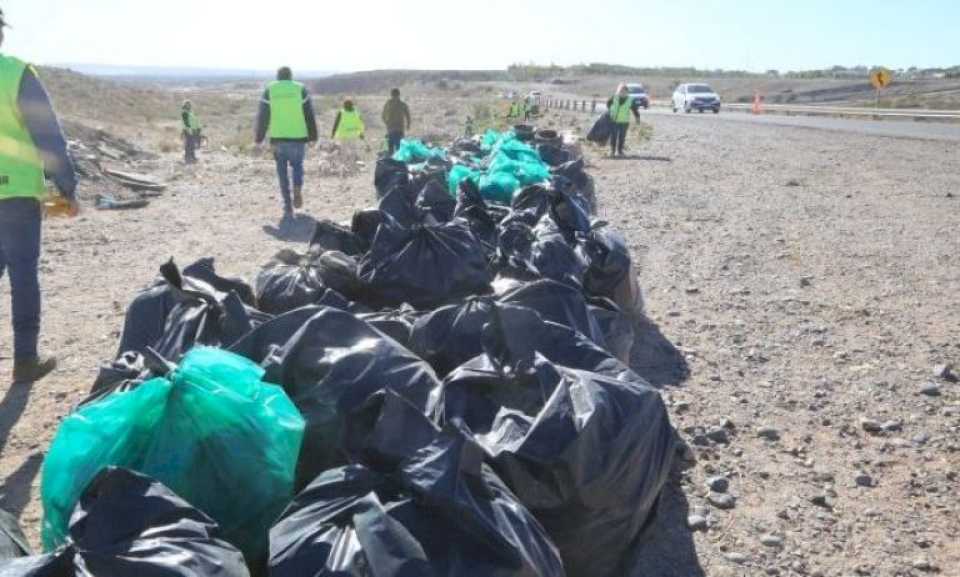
(348, 126)
(286, 115)
(396, 117)
(191, 133)
(620, 106)
(518, 110)
(33, 147)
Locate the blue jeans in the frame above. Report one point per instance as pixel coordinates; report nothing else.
(20, 224)
(393, 141)
(289, 155)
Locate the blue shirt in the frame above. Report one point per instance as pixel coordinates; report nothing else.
(42, 124)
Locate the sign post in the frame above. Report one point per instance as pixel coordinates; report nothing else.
(880, 78)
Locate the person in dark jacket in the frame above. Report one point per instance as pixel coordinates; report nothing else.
(396, 117)
(191, 132)
(33, 149)
(286, 115)
(620, 106)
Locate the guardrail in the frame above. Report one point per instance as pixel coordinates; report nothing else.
(596, 106)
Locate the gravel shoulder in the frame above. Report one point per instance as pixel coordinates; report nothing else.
(801, 285)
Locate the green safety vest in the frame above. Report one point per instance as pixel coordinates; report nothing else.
(193, 125)
(21, 167)
(350, 125)
(286, 110)
(620, 113)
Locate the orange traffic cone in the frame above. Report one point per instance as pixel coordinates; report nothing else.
(757, 103)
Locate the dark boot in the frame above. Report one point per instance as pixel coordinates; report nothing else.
(297, 198)
(31, 370)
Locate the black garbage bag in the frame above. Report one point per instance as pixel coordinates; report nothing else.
(292, 280)
(558, 303)
(128, 524)
(328, 362)
(13, 543)
(611, 273)
(434, 199)
(425, 266)
(365, 224)
(573, 179)
(124, 373)
(568, 210)
(466, 146)
(182, 310)
(450, 336)
(587, 453)
(399, 204)
(601, 130)
(515, 250)
(329, 235)
(554, 256)
(479, 216)
(553, 154)
(388, 174)
(616, 327)
(395, 323)
(438, 511)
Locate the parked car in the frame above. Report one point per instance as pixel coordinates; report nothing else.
(639, 94)
(699, 97)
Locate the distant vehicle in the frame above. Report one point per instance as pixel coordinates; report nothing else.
(534, 95)
(639, 94)
(699, 97)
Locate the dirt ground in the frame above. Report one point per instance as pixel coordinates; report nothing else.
(800, 286)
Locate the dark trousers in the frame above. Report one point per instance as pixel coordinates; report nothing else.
(20, 224)
(191, 142)
(289, 155)
(393, 140)
(618, 136)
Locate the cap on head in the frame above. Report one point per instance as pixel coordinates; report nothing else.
(348, 104)
(187, 104)
(395, 93)
(284, 73)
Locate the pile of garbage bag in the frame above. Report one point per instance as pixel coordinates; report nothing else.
(441, 386)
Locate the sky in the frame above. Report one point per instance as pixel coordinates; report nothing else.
(349, 35)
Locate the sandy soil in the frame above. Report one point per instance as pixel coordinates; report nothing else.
(797, 282)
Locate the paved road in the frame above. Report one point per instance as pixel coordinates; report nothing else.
(894, 128)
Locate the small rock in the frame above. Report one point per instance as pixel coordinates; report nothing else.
(722, 500)
(806, 281)
(863, 480)
(945, 372)
(930, 390)
(700, 441)
(870, 425)
(681, 407)
(772, 540)
(793, 183)
(768, 433)
(718, 484)
(773, 571)
(727, 424)
(820, 501)
(738, 558)
(718, 435)
(892, 426)
(692, 290)
(921, 438)
(924, 564)
(697, 523)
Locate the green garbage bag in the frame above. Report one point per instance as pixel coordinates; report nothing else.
(498, 187)
(519, 151)
(458, 174)
(492, 138)
(526, 173)
(413, 150)
(211, 431)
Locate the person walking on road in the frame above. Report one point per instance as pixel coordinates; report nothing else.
(396, 117)
(32, 147)
(286, 114)
(191, 133)
(620, 106)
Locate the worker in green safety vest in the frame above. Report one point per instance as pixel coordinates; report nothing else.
(620, 106)
(32, 148)
(348, 125)
(191, 132)
(286, 115)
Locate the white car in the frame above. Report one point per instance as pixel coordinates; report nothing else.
(699, 97)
